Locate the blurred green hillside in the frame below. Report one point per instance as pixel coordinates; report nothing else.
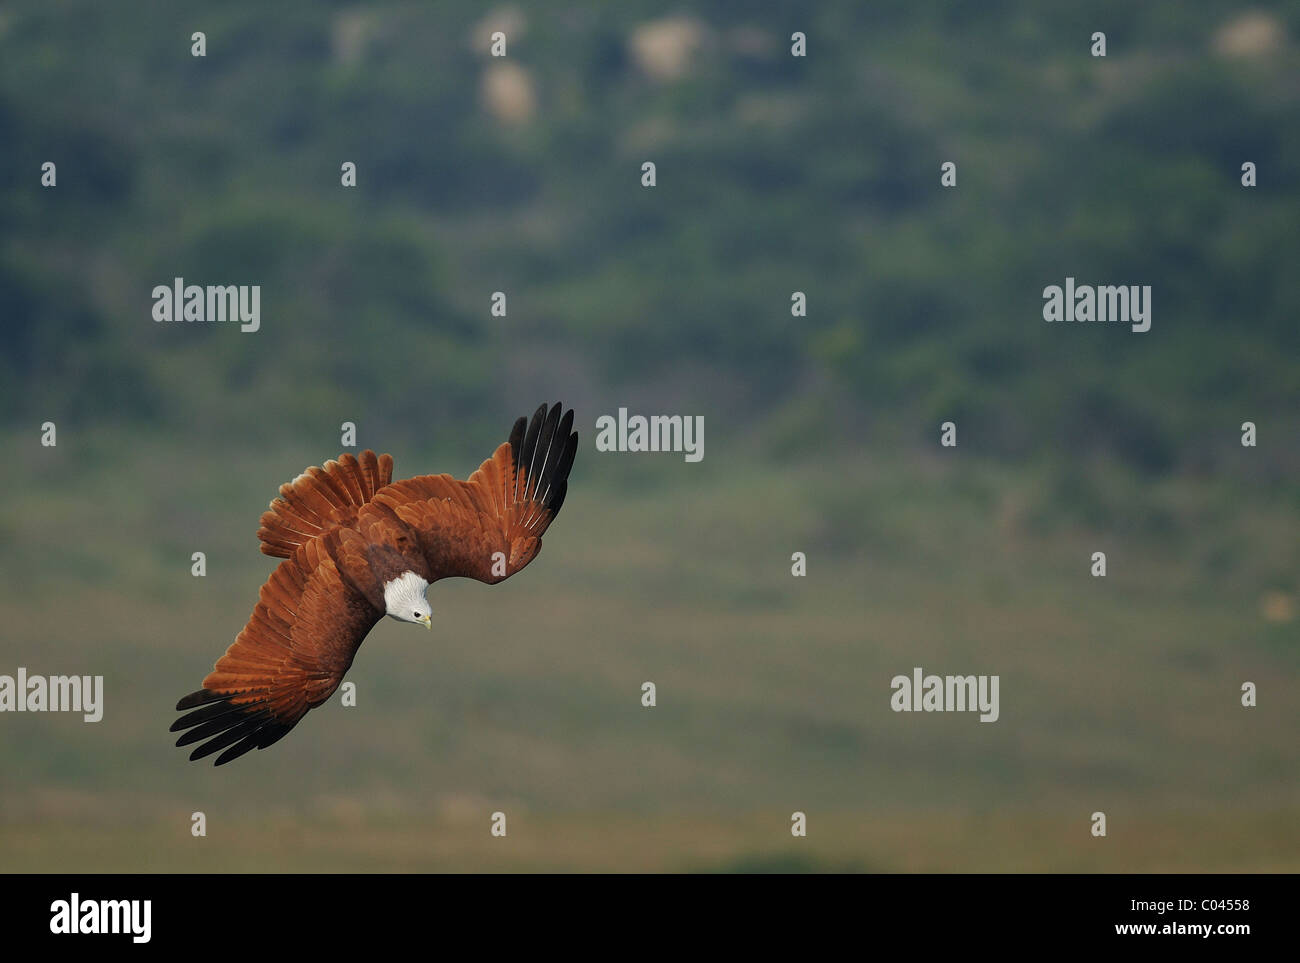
(775, 174)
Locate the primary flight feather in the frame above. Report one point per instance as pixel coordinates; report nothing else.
(356, 547)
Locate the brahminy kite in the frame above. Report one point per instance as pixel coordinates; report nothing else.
(356, 547)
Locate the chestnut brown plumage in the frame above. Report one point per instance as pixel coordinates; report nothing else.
(345, 532)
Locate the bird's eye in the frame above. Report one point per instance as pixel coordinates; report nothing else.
(416, 614)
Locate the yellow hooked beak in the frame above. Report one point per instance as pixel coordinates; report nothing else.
(428, 621)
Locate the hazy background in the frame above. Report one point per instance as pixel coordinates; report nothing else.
(775, 174)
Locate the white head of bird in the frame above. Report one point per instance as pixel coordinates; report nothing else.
(405, 599)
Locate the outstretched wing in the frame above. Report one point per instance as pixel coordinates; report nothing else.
(322, 499)
(290, 657)
(489, 526)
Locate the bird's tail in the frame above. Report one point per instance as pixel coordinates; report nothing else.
(321, 499)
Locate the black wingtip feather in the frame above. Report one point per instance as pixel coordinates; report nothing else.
(272, 734)
(220, 742)
(209, 712)
(559, 475)
(267, 735)
(202, 697)
(235, 751)
(550, 472)
(525, 458)
(517, 438)
(542, 452)
(221, 724)
(558, 498)
(545, 455)
(224, 725)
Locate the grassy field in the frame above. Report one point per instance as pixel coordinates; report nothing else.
(1119, 694)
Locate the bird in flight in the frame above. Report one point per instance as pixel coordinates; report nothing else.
(358, 546)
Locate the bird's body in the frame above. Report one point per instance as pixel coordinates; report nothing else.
(356, 547)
